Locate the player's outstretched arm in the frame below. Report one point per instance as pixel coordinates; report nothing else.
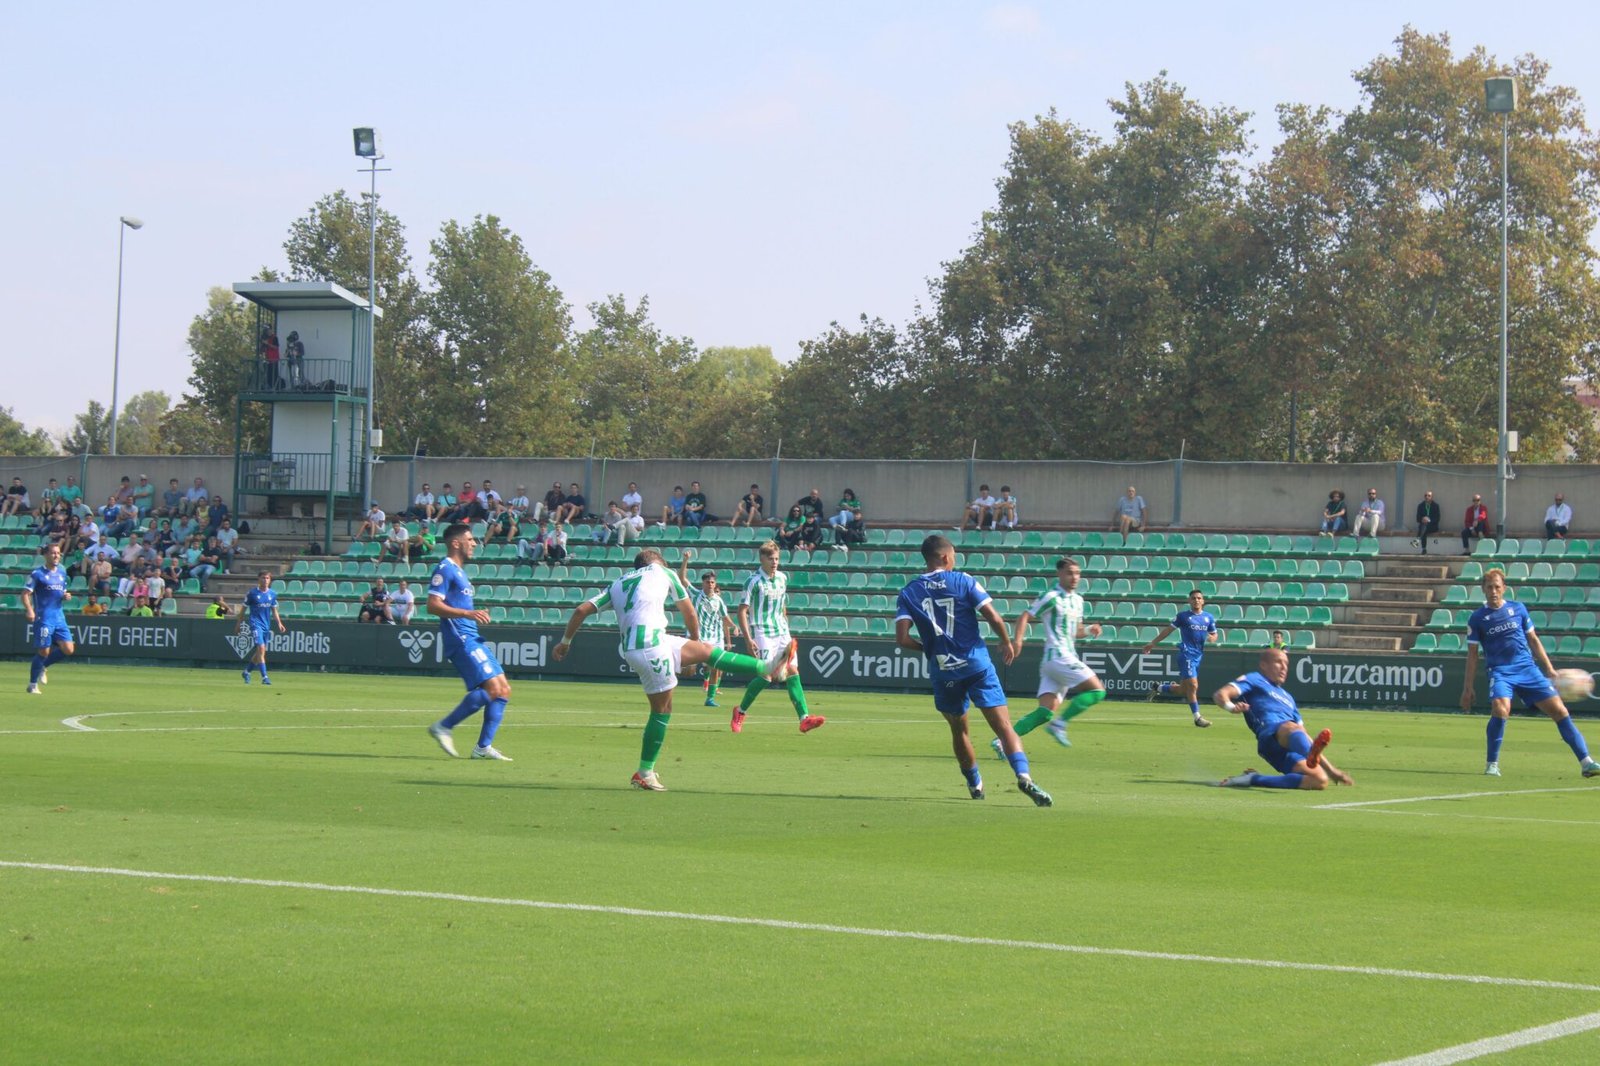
(1166, 631)
(902, 634)
(579, 613)
(1469, 676)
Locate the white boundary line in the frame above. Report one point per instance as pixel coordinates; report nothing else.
(1450, 796)
(814, 927)
(1493, 1045)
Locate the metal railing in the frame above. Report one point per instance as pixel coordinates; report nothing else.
(300, 473)
(312, 377)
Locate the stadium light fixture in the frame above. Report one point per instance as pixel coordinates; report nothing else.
(1500, 98)
(369, 146)
(124, 224)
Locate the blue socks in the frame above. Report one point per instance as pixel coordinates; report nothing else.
(465, 709)
(1194, 708)
(43, 662)
(491, 722)
(1277, 780)
(1574, 739)
(1496, 731)
(263, 666)
(1019, 763)
(974, 779)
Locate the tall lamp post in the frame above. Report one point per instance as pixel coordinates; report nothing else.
(370, 147)
(124, 224)
(1500, 98)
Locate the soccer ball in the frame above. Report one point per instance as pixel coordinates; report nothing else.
(1574, 684)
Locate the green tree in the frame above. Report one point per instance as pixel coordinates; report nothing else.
(139, 424)
(221, 346)
(633, 392)
(727, 404)
(91, 432)
(17, 439)
(847, 395)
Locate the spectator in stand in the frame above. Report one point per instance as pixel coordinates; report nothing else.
(171, 571)
(124, 493)
(981, 510)
(467, 507)
(182, 530)
(672, 511)
(811, 505)
(49, 500)
(421, 505)
(444, 503)
(271, 355)
(695, 511)
(72, 495)
(520, 504)
(555, 545)
(1130, 513)
(197, 494)
(202, 516)
(119, 518)
(164, 538)
(219, 513)
(1475, 523)
(531, 549)
(811, 532)
(751, 508)
(1370, 516)
(16, 499)
(171, 500)
(375, 604)
(1334, 515)
(160, 591)
(633, 507)
(1427, 521)
(71, 536)
(421, 545)
(613, 526)
(396, 543)
(1005, 509)
(488, 496)
(197, 562)
(793, 529)
(98, 575)
(403, 604)
(225, 544)
(141, 608)
(294, 352)
(574, 507)
(132, 580)
(502, 523)
(94, 606)
(848, 519)
(372, 525)
(219, 608)
(50, 529)
(1557, 518)
(144, 497)
(552, 503)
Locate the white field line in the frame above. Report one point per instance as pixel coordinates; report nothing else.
(1450, 796)
(815, 927)
(1493, 1045)
(1478, 817)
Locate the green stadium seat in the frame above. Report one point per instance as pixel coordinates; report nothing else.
(1579, 548)
(1569, 645)
(1133, 542)
(1071, 541)
(1486, 549)
(1354, 570)
(1455, 594)
(1558, 621)
(1591, 646)
(1586, 622)
(1573, 596)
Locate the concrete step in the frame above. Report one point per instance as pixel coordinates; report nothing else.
(1367, 616)
(1399, 593)
(1424, 571)
(1367, 642)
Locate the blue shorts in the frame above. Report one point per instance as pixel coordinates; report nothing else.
(1524, 682)
(260, 634)
(48, 631)
(1189, 664)
(951, 694)
(1276, 756)
(476, 664)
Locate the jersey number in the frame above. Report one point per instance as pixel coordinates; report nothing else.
(630, 585)
(930, 607)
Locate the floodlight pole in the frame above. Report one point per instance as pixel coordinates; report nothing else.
(124, 224)
(372, 324)
(1505, 195)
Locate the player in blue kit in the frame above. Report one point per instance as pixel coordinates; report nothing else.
(450, 600)
(944, 604)
(1196, 628)
(42, 600)
(1518, 666)
(261, 607)
(1281, 737)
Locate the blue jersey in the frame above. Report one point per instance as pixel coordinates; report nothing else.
(1270, 705)
(944, 605)
(1502, 635)
(261, 603)
(49, 588)
(450, 583)
(1193, 628)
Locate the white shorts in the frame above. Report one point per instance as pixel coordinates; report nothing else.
(658, 667)
(770, 650)
(1058, 676)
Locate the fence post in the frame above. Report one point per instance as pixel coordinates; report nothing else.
(772, 490)
(1177, 487)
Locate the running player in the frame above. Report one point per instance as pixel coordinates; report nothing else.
(450, 600)
(713, 614)
(639, 599)
(261, 609)
(764, 618)
(1517, 666)
(1196, 627)
(1061, 673)
(944, 604)
(42, 599)
(1281, 737)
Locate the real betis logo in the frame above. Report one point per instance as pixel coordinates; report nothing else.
(241, 643)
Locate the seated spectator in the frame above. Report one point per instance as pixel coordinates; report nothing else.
(197, 562)
(98, 576)
(133, 583)
(811, 532)
(93, 606)
(225, 544)
(1333, 515)
(633, 507)
(555, 545)
(48, 500)
(421, 505)
(375, 604)
(695, 510)
(531, 549)
(468, 508)
(502, 523)
(160, 591)
(133, 552)
(1557, 518)
(811, 505)
(487, 496)
(219, 511)
(1427, 521)
(574, 507)
(1280, 640)
(552, 503)
(520, 504)
(613, 526)
(72, 495)
(197, 495)
(124, 493)
(981, 510)
(1005, 509)
(144, 496)
(444, 502)
(403, 604)
(396, 543)
(50, 529)
(672, 510)
(848, 525)
(141, 608)
(16, 499)
(752, 507)
(793, 528)
(1128, 517)
(421, 545)
(1370, 516)
(373, 525)
(171, 500)
(171, 570)
(219, 608)
(201, 515)
(182, 530)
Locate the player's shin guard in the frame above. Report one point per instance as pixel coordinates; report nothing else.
(735, 663)
(35, 668)
(1082, 702)
(655, 735)
(756, 687)
(1031, 721)
(1496, 733)
(1277, 780)
(1019, 763)
(797, 696)
(1300, 744)
(466, 708)
(1574, 739)
(492, 714)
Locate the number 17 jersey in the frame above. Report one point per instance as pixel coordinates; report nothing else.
(943, 605)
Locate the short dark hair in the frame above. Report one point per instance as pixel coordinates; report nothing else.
(1066, 561)
(934, 545)
(645, 557)
(454, 530)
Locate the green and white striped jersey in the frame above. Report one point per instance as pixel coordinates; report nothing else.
(640, 601)
(713, 614)
(1059, 613)
(768, 600)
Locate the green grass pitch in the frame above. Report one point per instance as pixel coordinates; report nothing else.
(861, 827)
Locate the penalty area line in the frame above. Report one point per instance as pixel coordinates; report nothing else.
(812, 927)
(1493, 1045)
(1449, 796)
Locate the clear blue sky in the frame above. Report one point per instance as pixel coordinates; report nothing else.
(757, 171)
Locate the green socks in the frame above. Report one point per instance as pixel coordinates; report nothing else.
(797, 696)
(756, 687)
(655, 735)
(711, 691)
(1082, 702)
(735, 663)
(1033, 720)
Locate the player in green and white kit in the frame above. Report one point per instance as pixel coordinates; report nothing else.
(714, 619)
(1060, 615)
(764, 617)
(639, 598)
